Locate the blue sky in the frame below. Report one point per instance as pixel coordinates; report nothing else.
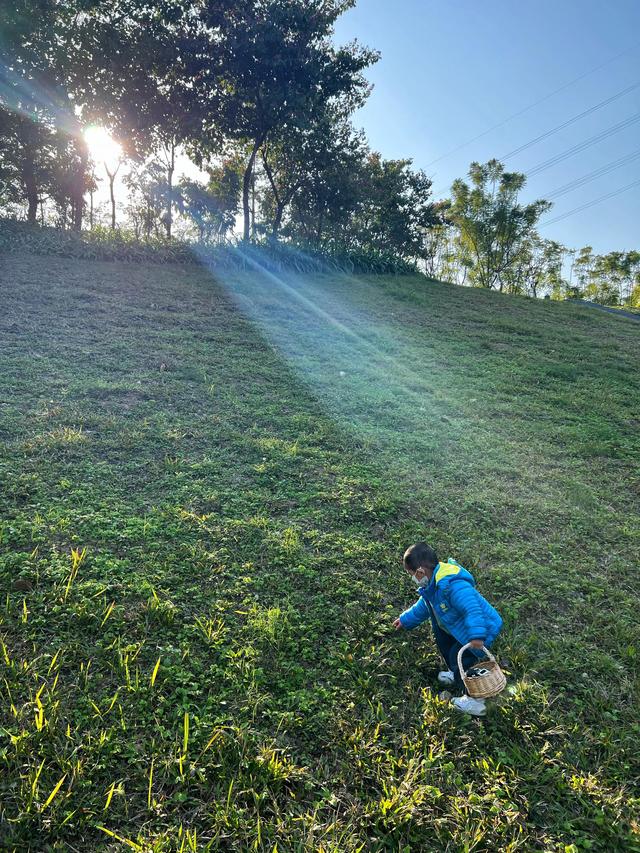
(452, 69)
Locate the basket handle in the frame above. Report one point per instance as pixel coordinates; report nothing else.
(463, 650)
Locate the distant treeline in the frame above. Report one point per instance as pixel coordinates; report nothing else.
(257, 94)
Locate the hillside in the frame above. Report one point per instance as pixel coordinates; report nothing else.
(206, 487)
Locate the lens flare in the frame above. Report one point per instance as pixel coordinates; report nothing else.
(36, 100)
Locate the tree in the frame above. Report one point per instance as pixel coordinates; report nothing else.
(140, 84)
(146, 186)
(633, 300)
(309, 167)
(583, 268)
(395, 208)
(554, 254)
(69, 178)
(436, 242)
(537, 268)
(170, 121)
(618, 270)
(213, 207)
(339, 195)
(605, 280)
(36, 111)
(608, 279)
(285, 164)
(278, 70)
(27, 159)
(39, 161)
(112, 168)
(633, 293)
(491, 224)
(328, 193)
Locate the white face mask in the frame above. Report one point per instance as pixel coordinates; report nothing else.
(419, 581)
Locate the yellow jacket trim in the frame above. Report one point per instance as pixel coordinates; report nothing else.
(446, 569)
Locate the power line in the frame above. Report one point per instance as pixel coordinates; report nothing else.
(581, 146)
(569, 121)
(569, 152)
(531, 106)
(585, 179)
(590, 203)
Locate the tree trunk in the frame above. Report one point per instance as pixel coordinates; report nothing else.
(281, 202)
(170, 170)
(319, 229)
(112, 179)
(303, 222)
(78, 186)
(277, 222)
(78, 211)
(253, 206)
(27, 137)
(113, 202)
(246, 189)
(31, 188)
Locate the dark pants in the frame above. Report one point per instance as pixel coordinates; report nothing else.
(449, 648)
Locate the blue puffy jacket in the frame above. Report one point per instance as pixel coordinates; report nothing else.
(456, 604)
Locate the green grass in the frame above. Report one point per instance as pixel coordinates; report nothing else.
(206, 490)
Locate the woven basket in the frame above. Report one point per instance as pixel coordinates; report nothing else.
(483, 686)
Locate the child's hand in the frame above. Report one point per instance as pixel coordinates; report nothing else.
(397, 624)
(477, 644)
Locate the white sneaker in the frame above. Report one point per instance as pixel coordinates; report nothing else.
(470, 706)
(446, 677)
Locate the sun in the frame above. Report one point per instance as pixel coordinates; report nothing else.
(103, 148)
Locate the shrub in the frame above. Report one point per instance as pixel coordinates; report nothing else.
(102, 244)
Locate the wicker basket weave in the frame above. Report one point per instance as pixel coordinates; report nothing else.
(483, 686)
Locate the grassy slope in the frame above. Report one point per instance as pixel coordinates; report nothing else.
(244, 487)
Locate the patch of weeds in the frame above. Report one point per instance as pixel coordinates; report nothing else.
(57, 438)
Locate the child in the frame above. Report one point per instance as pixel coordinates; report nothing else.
(458, 613)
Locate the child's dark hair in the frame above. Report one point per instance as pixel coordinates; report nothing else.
(418, 556)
